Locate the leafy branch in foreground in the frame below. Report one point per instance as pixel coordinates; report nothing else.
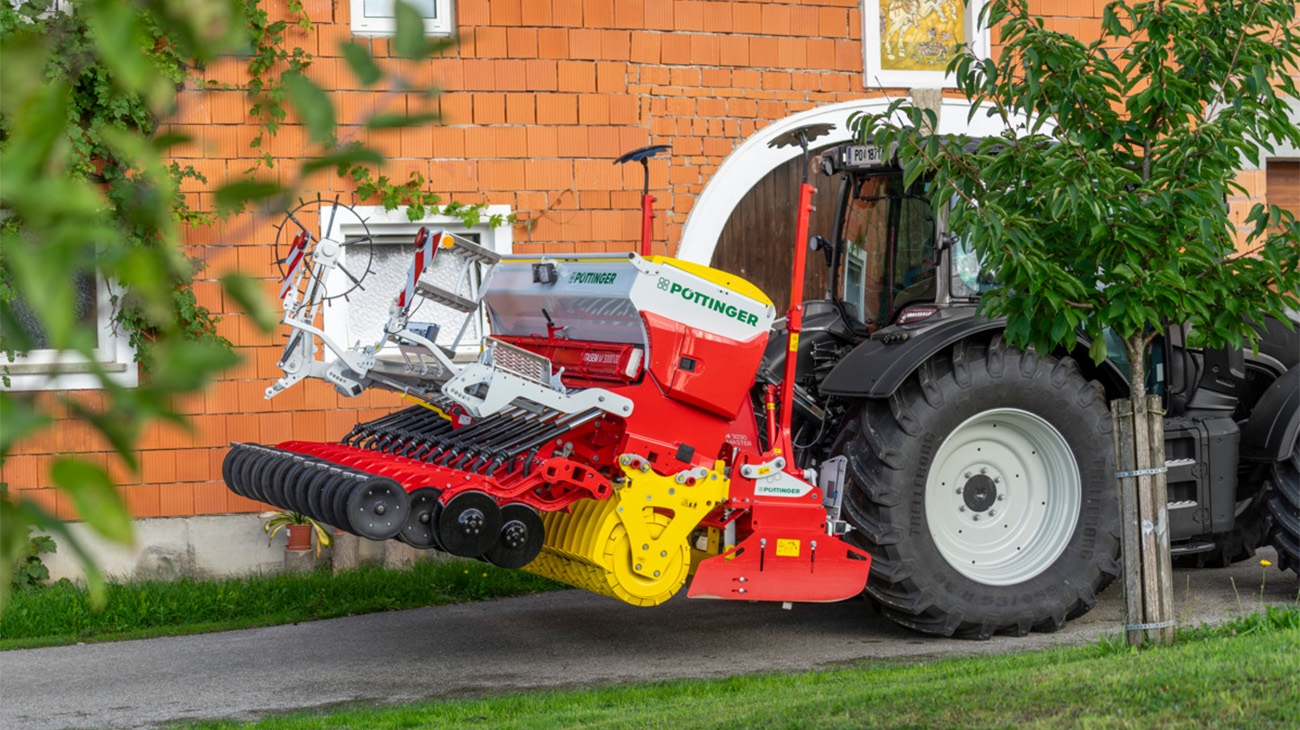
(90, 194)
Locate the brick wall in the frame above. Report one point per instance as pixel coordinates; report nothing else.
(540, 97)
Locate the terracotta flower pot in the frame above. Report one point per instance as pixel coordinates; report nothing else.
(299, 537)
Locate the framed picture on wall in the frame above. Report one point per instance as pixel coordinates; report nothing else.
(909, 43)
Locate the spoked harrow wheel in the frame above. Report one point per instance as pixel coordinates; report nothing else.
(313, 232)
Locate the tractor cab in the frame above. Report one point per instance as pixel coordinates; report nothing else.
(890, 259)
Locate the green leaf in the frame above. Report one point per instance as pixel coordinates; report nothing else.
(232, 197)
(344, 160)
(409, 40)
(313, 105)
(95, 498)
(186, 366)
(390, 121)
(18, 417)
(249, 295)
(362, 65)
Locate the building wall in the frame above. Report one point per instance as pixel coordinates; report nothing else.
(540, 96)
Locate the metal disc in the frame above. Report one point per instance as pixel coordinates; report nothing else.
(251, 470)
(297, 478)
(316, 481)
(378, 508)
(418, 531)
(273, 481)
(521, 537)
(263, 481)
(468, 524)
(341, 486)
(230, 470)
(298, 484)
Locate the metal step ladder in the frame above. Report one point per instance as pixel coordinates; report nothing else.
(448, 270)
(463, 289)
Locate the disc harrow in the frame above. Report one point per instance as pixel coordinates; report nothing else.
(370, 505)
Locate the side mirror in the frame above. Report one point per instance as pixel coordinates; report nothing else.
(827, 164)
(819, 243)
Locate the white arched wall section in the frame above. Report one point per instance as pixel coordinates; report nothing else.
(754, 159)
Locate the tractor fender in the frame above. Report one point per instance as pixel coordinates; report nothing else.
(875, 368)
(1274, 425)
(878, 366)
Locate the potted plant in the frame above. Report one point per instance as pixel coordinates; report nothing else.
(298, 529)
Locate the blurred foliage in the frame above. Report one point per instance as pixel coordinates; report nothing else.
(89, 191)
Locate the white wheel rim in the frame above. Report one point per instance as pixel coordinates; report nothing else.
(1003, 497)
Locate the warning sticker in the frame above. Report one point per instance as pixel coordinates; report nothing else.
(787, 548)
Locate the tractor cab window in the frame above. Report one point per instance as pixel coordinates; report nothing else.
(969, 280)
(889, 249)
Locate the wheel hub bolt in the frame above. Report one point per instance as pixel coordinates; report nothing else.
(984, 470)
(993, 513)
(961, 508)
(380, 510)
(975, 517)
(1001, 497)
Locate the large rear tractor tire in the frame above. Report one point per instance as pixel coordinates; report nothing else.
(1284, 506)
(984, 490)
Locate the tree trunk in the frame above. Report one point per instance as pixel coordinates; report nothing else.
(1144, 506)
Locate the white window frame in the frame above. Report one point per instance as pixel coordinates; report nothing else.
(384, 25)
(50, 369)
(874, 76)
(394, 223)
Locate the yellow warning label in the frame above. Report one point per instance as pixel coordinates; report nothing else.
(787, 548)
(794, 342)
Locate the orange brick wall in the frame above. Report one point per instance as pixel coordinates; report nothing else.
(540, 96)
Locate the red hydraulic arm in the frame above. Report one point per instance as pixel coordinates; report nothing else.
(794, 323)
(799, 137)
(647, 222)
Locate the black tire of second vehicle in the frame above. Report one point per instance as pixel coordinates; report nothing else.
(1284, 506)
(890, 445)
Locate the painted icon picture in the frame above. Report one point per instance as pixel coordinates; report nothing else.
(921, 35)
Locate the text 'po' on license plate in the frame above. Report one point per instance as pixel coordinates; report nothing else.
(863, 155)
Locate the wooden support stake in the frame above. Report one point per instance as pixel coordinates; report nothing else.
(1160, 494)
(1122, 418)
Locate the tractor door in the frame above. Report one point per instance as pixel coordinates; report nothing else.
(887, 246)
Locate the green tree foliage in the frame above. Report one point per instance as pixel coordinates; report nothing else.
(1104, 205)
(1107, 207)
(88, 190)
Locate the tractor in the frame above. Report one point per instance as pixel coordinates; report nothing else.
(637, 424)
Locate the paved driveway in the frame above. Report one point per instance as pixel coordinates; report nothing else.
(553, 640)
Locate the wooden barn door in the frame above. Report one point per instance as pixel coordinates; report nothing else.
(1283, 185)
(757, 242)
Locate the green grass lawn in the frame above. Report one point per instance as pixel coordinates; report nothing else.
(62, 614)
(1243, 675)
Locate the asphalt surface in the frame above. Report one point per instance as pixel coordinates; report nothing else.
(563, 639)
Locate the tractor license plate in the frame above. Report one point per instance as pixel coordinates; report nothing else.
(863, 155)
